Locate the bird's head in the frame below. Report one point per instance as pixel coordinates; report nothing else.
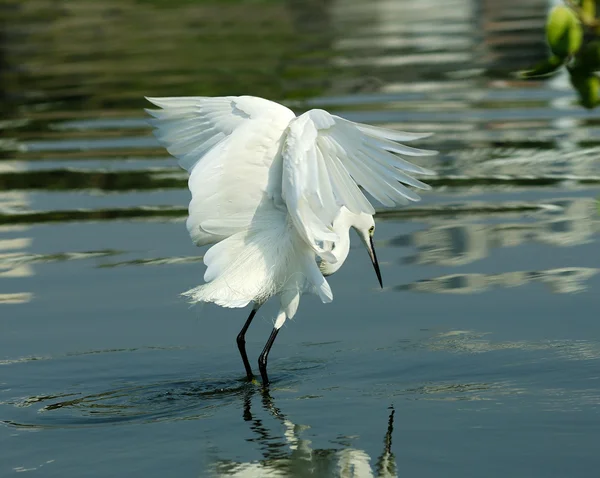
(364, 225)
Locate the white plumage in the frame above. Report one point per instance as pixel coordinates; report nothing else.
(267, 188)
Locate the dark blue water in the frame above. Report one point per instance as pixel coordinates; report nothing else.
(481, 355)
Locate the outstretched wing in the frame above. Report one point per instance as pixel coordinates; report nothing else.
(227, 145)
(190, 126)
(326, 159)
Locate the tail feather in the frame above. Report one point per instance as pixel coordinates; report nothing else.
(238, 272)
(255, 264)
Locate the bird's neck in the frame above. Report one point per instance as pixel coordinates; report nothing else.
(341, 227)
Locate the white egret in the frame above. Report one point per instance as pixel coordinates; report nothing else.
(273, 192)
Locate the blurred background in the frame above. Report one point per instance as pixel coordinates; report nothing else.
(485, 338)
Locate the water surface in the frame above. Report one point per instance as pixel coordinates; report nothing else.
(479, 357)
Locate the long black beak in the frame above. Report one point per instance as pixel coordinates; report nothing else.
(374, 261)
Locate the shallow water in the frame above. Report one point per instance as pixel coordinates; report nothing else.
(479, 357)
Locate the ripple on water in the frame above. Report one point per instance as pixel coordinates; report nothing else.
(141, 400)
(140, 403)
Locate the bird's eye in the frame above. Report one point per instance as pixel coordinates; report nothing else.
(371, 230)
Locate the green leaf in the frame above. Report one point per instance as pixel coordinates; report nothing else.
(588, 8)
(543, 68)
(589, 57)
(563, 32)
(587, 85)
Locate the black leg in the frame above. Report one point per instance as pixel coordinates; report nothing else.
(241, 343)
(262, 360)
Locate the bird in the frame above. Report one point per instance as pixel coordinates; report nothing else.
(276, 194)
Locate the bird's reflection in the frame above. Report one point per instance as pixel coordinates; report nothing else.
(287, 454)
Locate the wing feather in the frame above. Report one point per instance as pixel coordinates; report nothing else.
(324, 189)
(326, 162)
(386, 157)
(398, 148)
(346, 189)
(389, 133)
(228, 145)
(189, 126)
